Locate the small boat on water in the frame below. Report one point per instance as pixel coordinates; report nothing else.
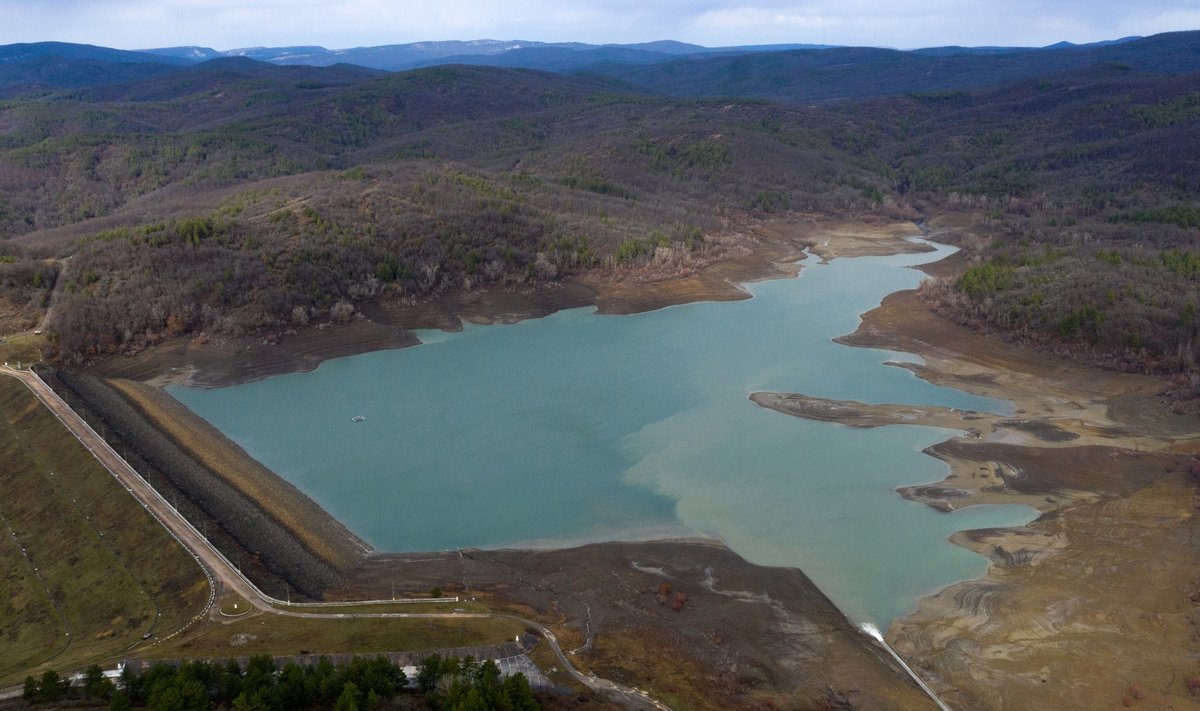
(357, 418)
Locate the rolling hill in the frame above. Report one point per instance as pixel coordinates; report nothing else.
(313, 189)
(862, 72)
(513, 53)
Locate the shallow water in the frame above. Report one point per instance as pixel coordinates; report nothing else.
(579, 427)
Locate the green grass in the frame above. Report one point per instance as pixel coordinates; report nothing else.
(100, 571)
(32, 629)
(24, 348)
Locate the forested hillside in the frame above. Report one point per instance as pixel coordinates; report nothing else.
(1088, 184)
(842, 73)
(236, 197)
(297, 192)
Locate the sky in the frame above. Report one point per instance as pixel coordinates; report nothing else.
(336, 24)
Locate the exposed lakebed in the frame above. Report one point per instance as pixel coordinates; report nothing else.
(578, 427)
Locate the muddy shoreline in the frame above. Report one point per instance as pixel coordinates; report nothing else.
(744, 636)
(1095, 603)
(756, 252)
(1069, 422)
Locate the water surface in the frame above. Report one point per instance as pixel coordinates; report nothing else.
(580, 427)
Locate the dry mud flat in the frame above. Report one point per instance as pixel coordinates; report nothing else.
(745, 636)
(1097, 603)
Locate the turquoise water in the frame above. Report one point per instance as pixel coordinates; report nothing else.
(579, 427)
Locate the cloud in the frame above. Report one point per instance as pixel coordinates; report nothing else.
(937, 22)
(341, 23)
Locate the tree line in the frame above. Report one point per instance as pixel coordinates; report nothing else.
(447, 683)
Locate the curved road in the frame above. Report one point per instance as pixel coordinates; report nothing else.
(218, 568)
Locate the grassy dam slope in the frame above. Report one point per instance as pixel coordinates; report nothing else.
(86, 572)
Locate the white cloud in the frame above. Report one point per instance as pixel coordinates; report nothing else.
(1167, 20)
(342, 23)
(752, 18)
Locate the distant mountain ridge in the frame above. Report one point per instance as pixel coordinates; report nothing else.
(860, 72)
(786, 73)
(997, 49)
(29, 51)
(552, 56)
(57, 65)
(398, 57)
(50, 66)
(512, 53)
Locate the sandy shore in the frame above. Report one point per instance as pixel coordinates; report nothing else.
(1096, 603)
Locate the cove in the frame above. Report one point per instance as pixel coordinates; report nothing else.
(578, 427)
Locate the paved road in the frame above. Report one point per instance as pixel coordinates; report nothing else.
(218, 568)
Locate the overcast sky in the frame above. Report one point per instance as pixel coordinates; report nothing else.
(228, 24)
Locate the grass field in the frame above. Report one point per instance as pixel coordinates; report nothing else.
(23, 348)
(86, 572)
(279, 635)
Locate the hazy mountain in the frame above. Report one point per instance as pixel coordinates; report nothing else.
(1101, 43)
(190, 53)
(667, 47)
(217, 75)
(558, 59)
(858, 72)
(571, 59)
(24, 72)
(391, 57)
(954, 49)
(793, 73)
(551, 56)
(27, 52)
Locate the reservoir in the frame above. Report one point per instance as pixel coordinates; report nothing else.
(581, 427)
